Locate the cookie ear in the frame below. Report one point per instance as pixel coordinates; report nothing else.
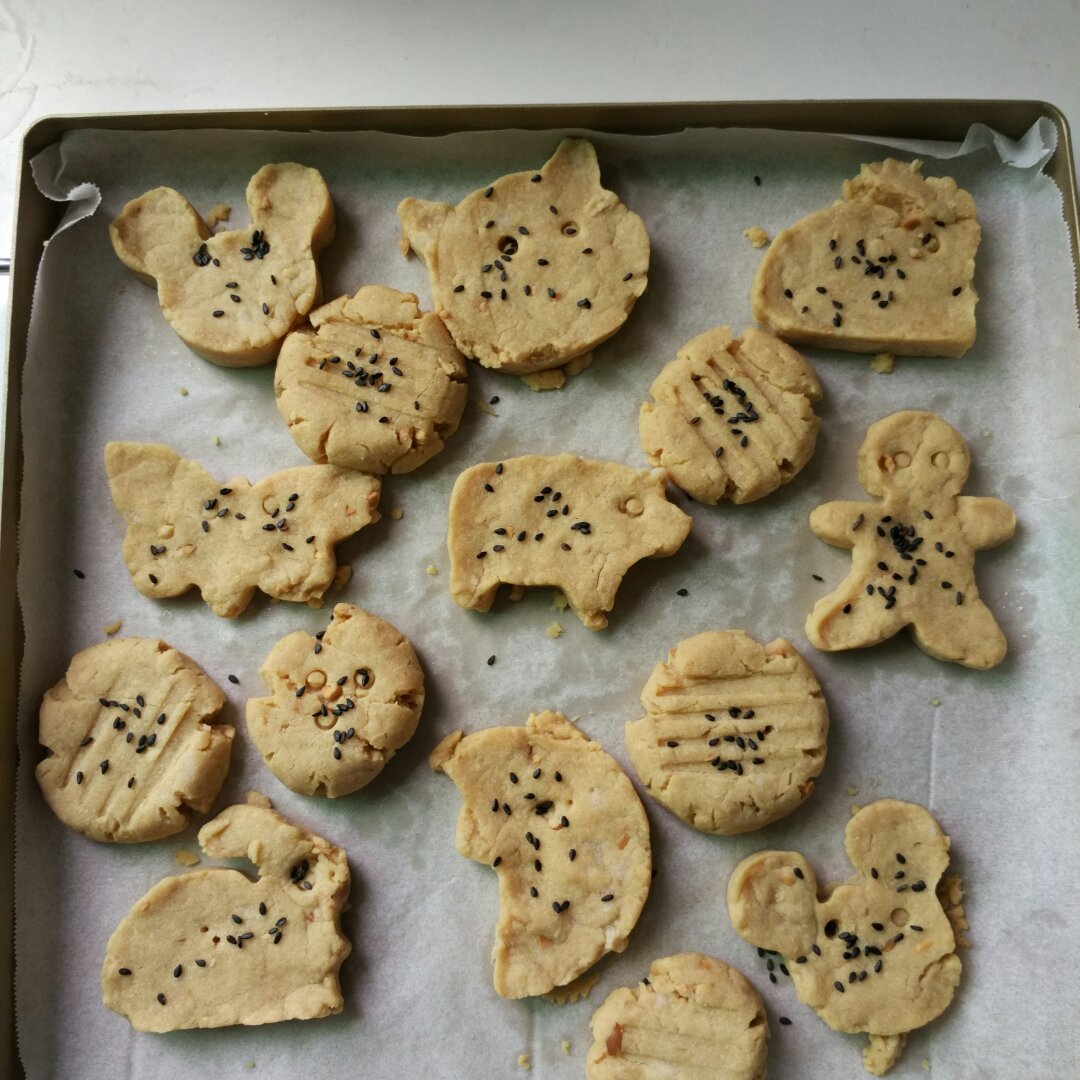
(772, 901)
(250, 832)
(293, 200)
(149, 231)
(421, 223)
(140, 476)
(573, 157)
(893, 837)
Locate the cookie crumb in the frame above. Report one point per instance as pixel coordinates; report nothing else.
(217, 215)
(186, 858)
(516, 593)
(341, 578)
(113, 627)
(555, 630)
(883, 363)
(484, 407)
(555, 379)
(935, 701)
(950, 892)
(576, 990)
(566, 1046)
(853, 790)
(397, 513)
(559, 602)
(926, 1064)
(986, 433)
(216, 440)
(257, 798)
(183, 391)
(855, 808)
(578, 364)
(757, 236)
(523, 1062)
(432, 571)
(249, 1064)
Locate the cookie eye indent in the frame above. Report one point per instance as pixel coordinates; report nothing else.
(901, 459)
(633, 507)
(940, 460)
(899, 916)
(570, 228)
(507, 245)
(316, 679)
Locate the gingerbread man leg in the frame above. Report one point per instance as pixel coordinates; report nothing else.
(966, 633)
(850, 619)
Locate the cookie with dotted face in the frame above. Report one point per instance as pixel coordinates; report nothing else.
(341, 703)
(913, 551)
(734, 733)
(693, 1016)
(732, 418)
(536, 269)
(131, 742)
(232, 296)
(567, 836)
(214, 948)
(571, 522)
(376, 385)
(888, 268)
(184, 528)
(877, 955)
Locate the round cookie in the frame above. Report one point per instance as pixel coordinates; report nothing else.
(535, 269)
(734, 733)
(374, 385)
(733, 418)
(564, 830)
(877, 953)
(693, 1016)
(232, 296)
(131, 748)
(341, 703)
(213, 948)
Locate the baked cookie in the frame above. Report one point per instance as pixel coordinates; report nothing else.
(734, 733)
(536, 269)
(232, 296)
(375, 386)
(184, 528)
(888, 268)
(733, 419)
(913, 552)
(571, 522)
(693, 1016)
(341, 703)
(130, 741)
(568, 838)
(877, 955)
(213, 948)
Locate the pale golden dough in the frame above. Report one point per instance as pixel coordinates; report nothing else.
(287, 946)
(734, 733)
(184, 528)
(913, 552)
(330, 383)
(877, 954)
(131, 741)
(551, 812)
(732, 419)
(336, 716)
(561, 261)
(888, 268)
(269, 269)
(694, 1016)
(575, 523)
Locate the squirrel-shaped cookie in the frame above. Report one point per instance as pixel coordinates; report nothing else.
(232, 296)
(877, 954)
(914, 551)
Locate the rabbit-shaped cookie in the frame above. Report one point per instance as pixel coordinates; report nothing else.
(233, 296)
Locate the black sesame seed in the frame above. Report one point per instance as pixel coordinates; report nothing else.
(161, 999)
(491, 660)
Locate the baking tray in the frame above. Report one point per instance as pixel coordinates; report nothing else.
(37, 217)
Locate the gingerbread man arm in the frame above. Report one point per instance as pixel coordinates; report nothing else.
(772, 902)
(986, 523)
(838, 522)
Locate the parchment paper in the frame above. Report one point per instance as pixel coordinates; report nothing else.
(996, 761)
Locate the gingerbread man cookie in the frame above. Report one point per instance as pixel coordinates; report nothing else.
(564, 830)
(214, 948)
(571, 522)
(914, 550)
(232, 296)
(877, 955)
(536, 269)
(184, 528)
(888, 268)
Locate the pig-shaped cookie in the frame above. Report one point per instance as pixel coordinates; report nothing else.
(877, 954)
(232, 296)
(571, 522)
(913, 553)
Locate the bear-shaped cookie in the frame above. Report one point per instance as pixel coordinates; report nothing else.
(888, 268)
(184, 528)
(567, 836)
(213, 947)
(536, 269)
(875, 954)
(913, 552)
(374, 384)
(575, 523)
(232, 296)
